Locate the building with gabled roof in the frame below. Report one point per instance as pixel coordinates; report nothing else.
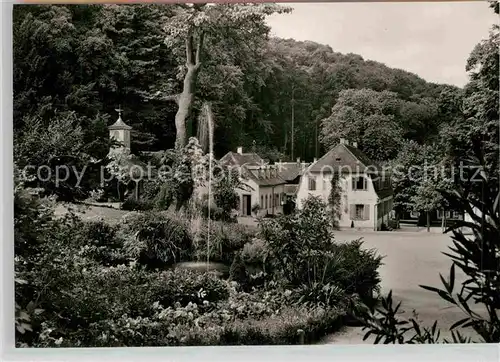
(263, 186)
(366, 190)
(239, 158)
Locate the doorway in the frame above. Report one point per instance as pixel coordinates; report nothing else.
(247, 205)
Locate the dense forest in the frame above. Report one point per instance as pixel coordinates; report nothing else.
(87, 60)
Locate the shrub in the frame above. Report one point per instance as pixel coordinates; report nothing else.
(325, 295)
(99, 241)
(185, 286)
(157, 240)
(132, 204)
(225, 197)
(255, 209)
(82, 299)
(299, 244)
(282, 329)
(216, 213)
(249, 266)
(225, 241)
(254, 252)
(302, 254)
(355, 269)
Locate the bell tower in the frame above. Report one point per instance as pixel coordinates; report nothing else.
(120, 132)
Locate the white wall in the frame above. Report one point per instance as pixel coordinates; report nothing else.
(256, 192)
(252, 190)
(269, 192)
(349, 197)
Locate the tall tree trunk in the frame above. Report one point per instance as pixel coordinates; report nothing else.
(184, 108)
(185, 99)
(428, 221)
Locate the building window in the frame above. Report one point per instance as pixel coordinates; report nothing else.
(266, 201)
(360, 212)
(312, 184)
(261, 201)
(359, 183)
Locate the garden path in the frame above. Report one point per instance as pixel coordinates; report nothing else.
(412, 258)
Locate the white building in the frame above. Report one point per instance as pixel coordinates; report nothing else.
(262, 184)
(366, 192)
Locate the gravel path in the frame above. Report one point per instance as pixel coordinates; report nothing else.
(412, 258)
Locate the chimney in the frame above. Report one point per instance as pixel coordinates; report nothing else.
(355, 144)
(315, 159)
(239, 150)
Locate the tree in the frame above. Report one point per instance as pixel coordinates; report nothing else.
(88, 59)
(477, 255)
(194, 25)
(427, 199)
(57, 156)
(225, 196)
(119, 169)
(402, 177)
(334, 199)
(471, 141)
(368, 118)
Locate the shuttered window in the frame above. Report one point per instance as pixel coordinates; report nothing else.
(359, 212)
(367, 212)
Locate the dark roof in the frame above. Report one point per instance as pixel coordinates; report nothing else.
(346, 159)
(382, 194)
(289, 171)
(252, 172)
(240, 159)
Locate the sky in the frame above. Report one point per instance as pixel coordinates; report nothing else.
(432, 40)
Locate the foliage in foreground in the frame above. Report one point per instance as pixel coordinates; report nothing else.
(303, 253)
(78, 284)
